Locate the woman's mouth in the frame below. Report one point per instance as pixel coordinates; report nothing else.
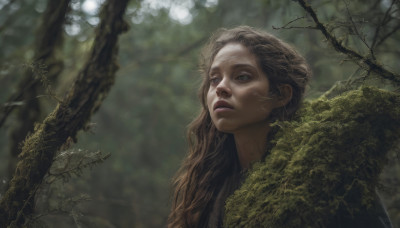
(222, 105)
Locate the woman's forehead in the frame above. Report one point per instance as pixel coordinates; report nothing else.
(234, 54)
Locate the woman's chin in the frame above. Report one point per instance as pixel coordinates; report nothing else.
(225, 128)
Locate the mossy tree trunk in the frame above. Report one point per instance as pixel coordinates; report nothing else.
(46, 65)
(90, 88)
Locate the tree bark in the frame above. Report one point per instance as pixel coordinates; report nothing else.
(90, 88)
(46, 66)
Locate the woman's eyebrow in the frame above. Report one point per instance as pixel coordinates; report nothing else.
(237, 66)
(244, 65)
(214, 69)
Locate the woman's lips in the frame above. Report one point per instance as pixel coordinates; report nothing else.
(222, 105)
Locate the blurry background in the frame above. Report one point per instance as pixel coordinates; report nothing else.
(142, 122)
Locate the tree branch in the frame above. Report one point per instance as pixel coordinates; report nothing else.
(48, 39)
(286, 26)
(355, 29)
(365, 62)
(46, 64)
(71, 115)
(384, 21)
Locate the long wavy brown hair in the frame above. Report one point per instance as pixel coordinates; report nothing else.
(212, 158)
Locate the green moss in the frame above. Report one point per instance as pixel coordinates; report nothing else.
(324, 162)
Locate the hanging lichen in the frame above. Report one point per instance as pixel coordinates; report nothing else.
(326, 160)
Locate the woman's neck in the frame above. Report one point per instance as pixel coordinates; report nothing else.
(251, 144)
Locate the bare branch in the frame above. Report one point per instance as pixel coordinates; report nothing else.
(355, 29)
(365, 62)
(286, 26)
(383, 22)
(387, 35)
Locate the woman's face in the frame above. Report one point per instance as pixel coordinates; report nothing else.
(238, 96)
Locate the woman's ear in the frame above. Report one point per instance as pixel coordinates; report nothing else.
(285, 95)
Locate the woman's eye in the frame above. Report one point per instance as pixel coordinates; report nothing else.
(243, 77)
(214, 80)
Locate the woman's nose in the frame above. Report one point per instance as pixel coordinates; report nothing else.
(223, 89)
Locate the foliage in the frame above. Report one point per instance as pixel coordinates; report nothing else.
(326, 161)
(53, 200)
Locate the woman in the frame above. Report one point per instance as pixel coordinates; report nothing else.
(250, 79)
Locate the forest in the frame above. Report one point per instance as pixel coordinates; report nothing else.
(96, 95)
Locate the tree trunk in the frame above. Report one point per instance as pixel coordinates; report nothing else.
(46, 66)
(71, 115)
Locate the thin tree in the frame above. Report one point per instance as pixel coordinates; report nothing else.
(46, 66)
(71, 115)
